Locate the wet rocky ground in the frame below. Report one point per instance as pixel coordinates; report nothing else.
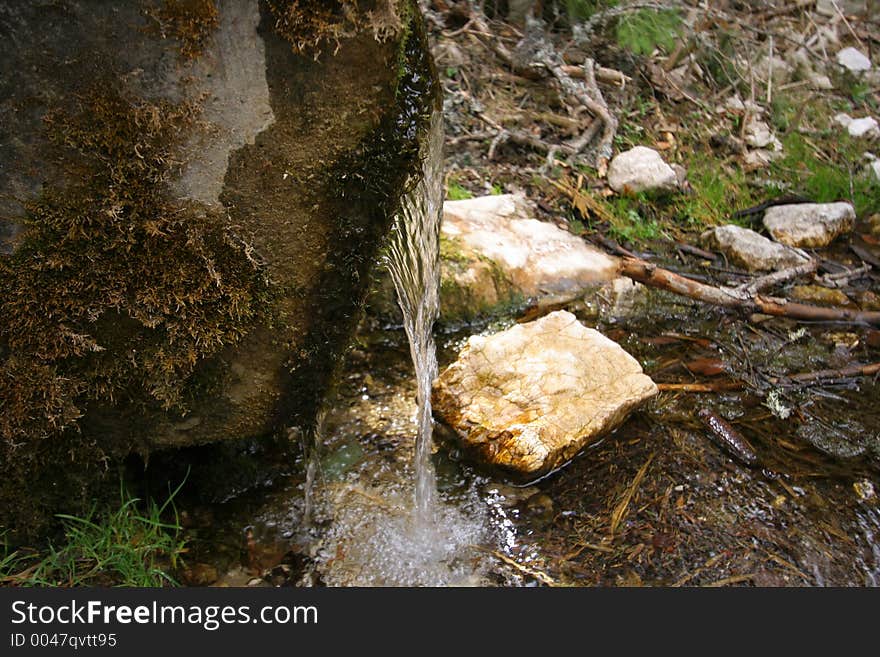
(655, 503)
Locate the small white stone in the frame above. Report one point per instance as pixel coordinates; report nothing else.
(758, 134)
(843, 119)
(864, 127)
(640, 169)
(734, 104)
(762, 157)
(821, 82)
(751, 250)
(875, 167)
(809, 225)
(853, 60)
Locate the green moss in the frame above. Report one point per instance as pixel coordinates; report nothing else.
(635, 218)
(456, 192)
(191, 22)
(451, 250)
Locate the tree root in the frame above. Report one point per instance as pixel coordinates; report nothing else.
(543, 61)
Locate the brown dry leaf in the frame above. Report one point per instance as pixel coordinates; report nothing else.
(705, 366)
(660, 340)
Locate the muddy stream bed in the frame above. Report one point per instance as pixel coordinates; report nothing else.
(655, 503)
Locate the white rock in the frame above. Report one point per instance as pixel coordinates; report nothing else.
(624, 296)
(864, 127)
(875, 167)
(640, 169)
(762, 157)
(821, 82)
(808, 224)
(529, 398)
(749, 249)
(734, 104)
(843, 119)
(759, 135)
(777, 69)
(495, 251)
(853, 60)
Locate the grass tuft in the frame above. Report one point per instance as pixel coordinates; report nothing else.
(130, 547)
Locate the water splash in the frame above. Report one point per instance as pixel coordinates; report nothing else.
(414, 265)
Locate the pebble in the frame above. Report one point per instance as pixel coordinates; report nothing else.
(853, 60)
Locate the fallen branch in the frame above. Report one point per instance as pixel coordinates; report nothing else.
(603, 74)
(842, 279)
(727, 581)
(715, 386)
(741, 298)
(782, 276)
(503, 134)
(827, 376)
(865, 255)
(532, 572)
(544, 61)
(801, 379)
(695, 251)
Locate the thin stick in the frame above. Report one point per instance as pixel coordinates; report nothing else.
(603, 74)
(736, 579)
(534, 573)
(817, 377)
(846, 22)
(720, 386)
(764, 282)
(654, 276)
(831, 375)
(620, 510)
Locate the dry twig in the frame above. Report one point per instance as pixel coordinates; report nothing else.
(654, 276)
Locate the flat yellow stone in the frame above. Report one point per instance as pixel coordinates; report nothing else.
(529, 398)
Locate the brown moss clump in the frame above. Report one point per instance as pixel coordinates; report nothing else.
(309, 25)
(116, 292)
(191, 22)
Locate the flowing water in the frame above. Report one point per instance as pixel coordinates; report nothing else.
(414, 264)
(387, 526)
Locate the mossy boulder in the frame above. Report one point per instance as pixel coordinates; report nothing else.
(496, 256)
(193, 197)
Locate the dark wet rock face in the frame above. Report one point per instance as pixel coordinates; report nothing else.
(191, 211)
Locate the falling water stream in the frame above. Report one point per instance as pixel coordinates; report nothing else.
(413, 262)
(391, 527)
